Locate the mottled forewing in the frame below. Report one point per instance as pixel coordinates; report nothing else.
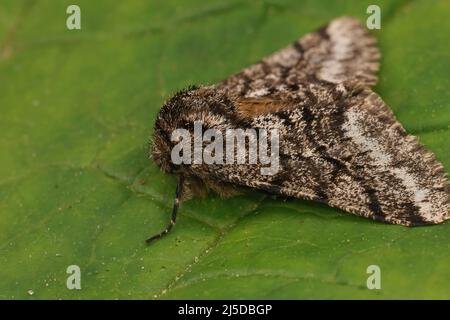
(392, 177)
(343, 50)
(347, 149)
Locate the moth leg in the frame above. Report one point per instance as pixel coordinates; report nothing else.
(173, 219)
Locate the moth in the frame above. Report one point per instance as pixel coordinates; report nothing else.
(339, 143)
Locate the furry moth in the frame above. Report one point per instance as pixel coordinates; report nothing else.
(339, 142)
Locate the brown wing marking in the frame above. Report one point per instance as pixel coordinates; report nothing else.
(253, 107)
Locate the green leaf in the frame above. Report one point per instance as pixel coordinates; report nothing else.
(76, 187)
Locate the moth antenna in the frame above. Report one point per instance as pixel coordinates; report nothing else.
(173, 219)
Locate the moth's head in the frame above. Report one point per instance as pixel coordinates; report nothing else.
(206, 104)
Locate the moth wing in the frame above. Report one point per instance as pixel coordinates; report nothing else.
(252, 107)
(342, 50)
(348, 151)
(401, 181)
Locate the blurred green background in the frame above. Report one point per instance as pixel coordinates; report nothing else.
(76, 111)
